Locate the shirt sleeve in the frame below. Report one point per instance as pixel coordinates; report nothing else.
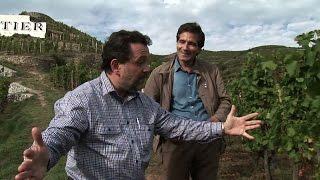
(65, 129)
(175, 127)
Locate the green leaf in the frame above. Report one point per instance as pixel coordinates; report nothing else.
(308, 154)
(316, 103)
(268, 116)
(291, 132)
(269, 65)
(311, 56)
(271, 145)
(287, 98)
(264, 142)
(293, 155)
(306, 103)
(318, 75)
(292, 67)
(300, 79)
(289, 146)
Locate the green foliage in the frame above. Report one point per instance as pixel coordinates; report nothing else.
(156, 60)
(4, 87)
(285, 90)
(71, 75)
(16, 122)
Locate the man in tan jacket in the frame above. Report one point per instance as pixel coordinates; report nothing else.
(194, 89)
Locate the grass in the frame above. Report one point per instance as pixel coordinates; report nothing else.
(15, 128)
(15, 125)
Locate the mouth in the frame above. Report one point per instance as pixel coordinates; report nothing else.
(184, 55)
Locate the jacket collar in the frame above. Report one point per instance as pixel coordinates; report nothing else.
(168, 67)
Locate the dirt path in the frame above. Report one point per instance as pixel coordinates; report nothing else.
(40, 96)
(39, 77)
(235, 163)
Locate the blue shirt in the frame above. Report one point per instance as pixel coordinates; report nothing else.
(185, 98)
(108, 137)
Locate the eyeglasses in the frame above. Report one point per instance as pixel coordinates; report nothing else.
(143, 63)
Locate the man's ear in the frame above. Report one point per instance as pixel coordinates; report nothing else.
(114, 64)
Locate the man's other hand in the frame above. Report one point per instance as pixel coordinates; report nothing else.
(239, 125)
(35, 159)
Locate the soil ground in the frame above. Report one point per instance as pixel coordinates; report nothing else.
(235, 163)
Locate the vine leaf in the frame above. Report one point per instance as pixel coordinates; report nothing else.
(310, 58)
(269, 65)
(291, 132)
(292, 67)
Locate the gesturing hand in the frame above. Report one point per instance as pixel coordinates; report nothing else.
(34, 165)
(239, 125)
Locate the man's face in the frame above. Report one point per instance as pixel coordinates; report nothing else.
(136, 69)
(187, 46)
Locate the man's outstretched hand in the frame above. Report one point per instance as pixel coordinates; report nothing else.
(34, 165)
(239, 125)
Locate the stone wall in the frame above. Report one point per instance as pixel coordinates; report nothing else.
(18, 59)
(18, 92)
(7, 72)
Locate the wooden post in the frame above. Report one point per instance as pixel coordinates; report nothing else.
(266, 165)
(295, 171)
(96, 47)
(71, 79)
(21, 49)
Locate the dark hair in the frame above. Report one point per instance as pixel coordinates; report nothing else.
(117, 46)
(192, 28)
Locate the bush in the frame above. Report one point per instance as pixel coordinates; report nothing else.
(4, 87)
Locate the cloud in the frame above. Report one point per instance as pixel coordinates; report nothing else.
(228, 24)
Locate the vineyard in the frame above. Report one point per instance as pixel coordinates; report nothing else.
(286, 92)
(4, 87)
(59, 38)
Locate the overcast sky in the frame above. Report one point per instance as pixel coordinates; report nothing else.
(228, 24)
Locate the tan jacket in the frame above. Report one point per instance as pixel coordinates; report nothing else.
(210, 87)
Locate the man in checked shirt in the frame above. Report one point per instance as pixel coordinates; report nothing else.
(106, 126)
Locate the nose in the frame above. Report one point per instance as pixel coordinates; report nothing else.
(184, 46)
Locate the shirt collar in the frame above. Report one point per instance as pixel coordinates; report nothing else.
(176, 65)
(108, 88)
(195, 69)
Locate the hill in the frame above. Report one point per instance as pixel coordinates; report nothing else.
(59, 38)
(230, 62)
